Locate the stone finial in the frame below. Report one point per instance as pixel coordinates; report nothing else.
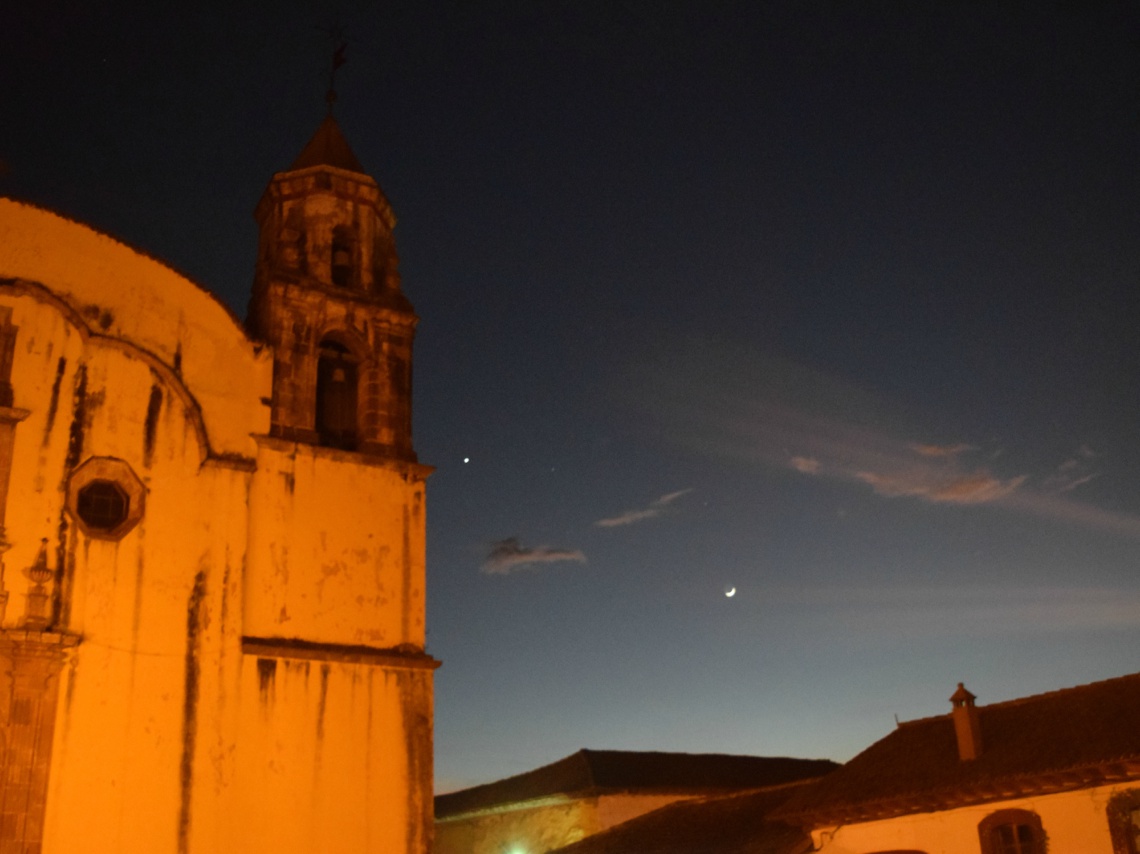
(967, 725)
(37, 610)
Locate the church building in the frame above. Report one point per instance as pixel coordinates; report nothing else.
(212, 538)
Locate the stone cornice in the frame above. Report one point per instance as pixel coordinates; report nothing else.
(12, 415)
(406, 468)
(29, 642)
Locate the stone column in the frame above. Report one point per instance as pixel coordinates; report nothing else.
(9, 418)
(30, 665)
(7, 351)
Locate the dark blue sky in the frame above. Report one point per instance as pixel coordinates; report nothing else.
(836, 303)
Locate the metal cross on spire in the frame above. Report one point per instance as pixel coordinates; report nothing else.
(336, 33)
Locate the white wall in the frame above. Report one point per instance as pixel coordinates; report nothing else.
(1074, 822)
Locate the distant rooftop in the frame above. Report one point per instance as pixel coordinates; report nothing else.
(726, 824)
(593, 772)
(1062, 740)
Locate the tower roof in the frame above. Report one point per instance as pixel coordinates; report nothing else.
(328, 147)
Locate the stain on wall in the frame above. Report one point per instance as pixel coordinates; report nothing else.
(53, 402)
(190, 707)
(150, 428)
(266, 676)
(78, 420)
(322, 701)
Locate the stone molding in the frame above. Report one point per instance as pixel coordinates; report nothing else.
(336, 652)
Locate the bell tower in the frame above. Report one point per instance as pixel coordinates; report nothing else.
(337, 685)
(327, 298)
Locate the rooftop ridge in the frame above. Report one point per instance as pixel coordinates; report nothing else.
(1054, 741)
(1030, 698)
(588, 772)
(583, 755)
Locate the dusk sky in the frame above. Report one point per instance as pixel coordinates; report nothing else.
(833, 304)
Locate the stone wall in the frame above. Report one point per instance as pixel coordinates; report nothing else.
(238, 660)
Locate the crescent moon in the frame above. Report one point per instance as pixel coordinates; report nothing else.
(730, 592)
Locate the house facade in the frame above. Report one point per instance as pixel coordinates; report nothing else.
(212, 538)
(1056, 772)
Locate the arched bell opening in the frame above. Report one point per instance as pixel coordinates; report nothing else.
(338, 380)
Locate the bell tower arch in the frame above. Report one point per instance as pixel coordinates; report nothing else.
(327, 272)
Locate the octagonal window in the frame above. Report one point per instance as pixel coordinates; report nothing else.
(105, 498)
(102, 505)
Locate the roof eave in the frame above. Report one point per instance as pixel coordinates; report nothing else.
(1046, 783)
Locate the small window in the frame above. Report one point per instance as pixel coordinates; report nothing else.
(342, 257)
(1012, 832)
(1124, 822)
(102, 505)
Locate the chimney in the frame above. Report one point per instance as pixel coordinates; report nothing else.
(967, 727)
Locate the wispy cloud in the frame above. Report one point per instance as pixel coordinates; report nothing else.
(1073, 472)
(1080, 481)
(974, 488)
(509, 555)
(772, 412)
(941, 450)
(805, 465)
(960, 611)
(655, 509)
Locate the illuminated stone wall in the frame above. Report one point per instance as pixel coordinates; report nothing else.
(518, 829)
(317, 583)
(340, 756)
(540, 826)
(238, 660)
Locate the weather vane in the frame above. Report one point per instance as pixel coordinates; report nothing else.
(336, 33)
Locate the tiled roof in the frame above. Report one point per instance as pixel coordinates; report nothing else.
(590, 772)
(328, 147)
(732, 824)
(1062, 740)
